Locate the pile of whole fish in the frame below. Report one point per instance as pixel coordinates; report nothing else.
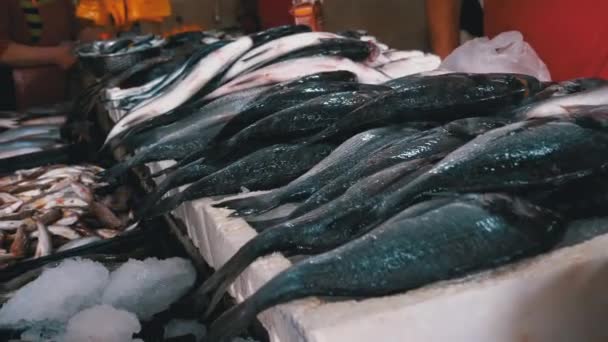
(54, 208)
(32, 131)
(393, 183)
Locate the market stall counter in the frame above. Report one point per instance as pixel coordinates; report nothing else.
(553, 297)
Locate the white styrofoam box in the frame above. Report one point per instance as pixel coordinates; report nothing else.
(556, 297)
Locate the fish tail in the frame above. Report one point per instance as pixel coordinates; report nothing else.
(124, 166)
(251, 205)
(232, 322)
(163, 207)
(225, 275)
(286, 286)
(153, 197)
(262, 225)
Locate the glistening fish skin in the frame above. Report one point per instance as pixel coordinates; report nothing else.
(182, 90)
(274, 49)
(48, 131)
(264, 169)
(439, 98)
(279, 97)
(296, 68)
(295, 122)
(229, 104)
(435, 142)
(339, 161)
(563, 105)
(407, 254)
(192, 133)
(519, 156)
(285, 97)
(320, 230)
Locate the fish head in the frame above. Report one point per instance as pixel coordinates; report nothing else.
(532, 220)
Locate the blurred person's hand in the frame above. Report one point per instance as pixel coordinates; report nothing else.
(64, 56)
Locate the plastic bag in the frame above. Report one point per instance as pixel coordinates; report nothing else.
(507, 52)
(150, 10)
(93, 10)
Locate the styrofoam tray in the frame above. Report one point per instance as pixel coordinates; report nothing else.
(557, 297)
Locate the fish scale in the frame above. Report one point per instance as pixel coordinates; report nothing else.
(408, 253)
(440, 98)
(339, 161)
(264, 169)
(436, 142)
(322, 229)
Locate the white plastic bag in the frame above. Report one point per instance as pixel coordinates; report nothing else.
(507, 52)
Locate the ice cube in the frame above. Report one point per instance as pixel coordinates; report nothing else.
(180, 327)
(56, 295)
(102, 323)
(150, 286)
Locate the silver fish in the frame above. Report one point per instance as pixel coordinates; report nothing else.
(51, 131)
(78, 243)
(410, 66)
(59, 230)
(181, 91)
(107, 233)
(11, 208)
(11, 225)
(563, 105)
(275, 48)
(296, 68)
(7, 198)
(45, 245)
(68, 220)
(49, 120)
(19, 152)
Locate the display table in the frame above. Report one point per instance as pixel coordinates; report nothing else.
(557, 297)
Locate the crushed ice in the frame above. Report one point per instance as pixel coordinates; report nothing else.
(135, 290)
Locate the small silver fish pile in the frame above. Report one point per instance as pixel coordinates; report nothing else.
(54, 208)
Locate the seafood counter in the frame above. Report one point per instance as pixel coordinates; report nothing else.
(418, 192)
(54, 209)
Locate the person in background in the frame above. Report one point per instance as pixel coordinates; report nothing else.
(569, 36)
(36, 50)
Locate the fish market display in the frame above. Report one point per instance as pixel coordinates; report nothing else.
(395, 175)
(54, 208)
(267, 168)
(391, 258)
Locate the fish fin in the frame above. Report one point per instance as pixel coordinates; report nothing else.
(595, 120)
(232, 322)
(225, 275)
(250, 205)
